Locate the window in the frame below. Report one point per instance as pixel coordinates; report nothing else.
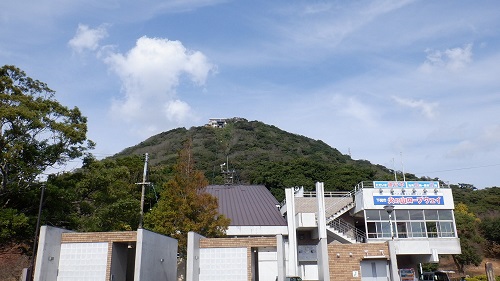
(417, 229)
(430, 223)
(401, 229)
(416, 215)
(446, 229)
(445, 215)
(402, 215)
(431, 215)
(431, 229)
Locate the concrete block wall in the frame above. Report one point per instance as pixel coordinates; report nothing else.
(342, 266)
(97, 237)
(248, 243)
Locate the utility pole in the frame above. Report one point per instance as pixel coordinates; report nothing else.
(143, 184)
(31, 270)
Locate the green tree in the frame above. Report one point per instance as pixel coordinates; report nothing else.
(102, 194)
(184, 205)
(36, 132)
(470, 239)
(490, 227)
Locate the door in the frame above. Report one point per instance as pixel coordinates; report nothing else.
(374, 270)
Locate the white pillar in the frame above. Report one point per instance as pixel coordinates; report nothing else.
(323, 261)
(393, 261)
(292, 232)
(280, 249)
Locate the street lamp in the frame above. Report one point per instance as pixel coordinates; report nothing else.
(389, 209)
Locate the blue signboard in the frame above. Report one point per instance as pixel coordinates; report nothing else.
(408, 200)
(406, 184)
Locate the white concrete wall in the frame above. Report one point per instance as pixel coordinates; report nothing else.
(223, 264)
(256, 230)
(305, 220)
(49, 248)
(156, 257)
(83, 261)
(280, 251)
(292, 267)
(193, 257)
(443, 246)
(268, 264)
(322, 267)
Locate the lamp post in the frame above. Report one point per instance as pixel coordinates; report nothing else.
(389, 209)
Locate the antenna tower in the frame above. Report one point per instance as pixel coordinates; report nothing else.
(227, 173)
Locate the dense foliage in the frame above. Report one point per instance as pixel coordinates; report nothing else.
(36, 132)
(470, 239)
(184, 205)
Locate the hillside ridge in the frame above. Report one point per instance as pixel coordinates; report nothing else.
(261, 154)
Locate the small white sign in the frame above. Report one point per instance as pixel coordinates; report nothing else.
(355, 273)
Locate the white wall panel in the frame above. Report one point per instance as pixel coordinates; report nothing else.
(83, 262)
(223, 264)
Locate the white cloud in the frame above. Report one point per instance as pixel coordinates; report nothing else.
(428, 109)
(487, 141)
(450, 59)
(150, 73)
(87, 38)
(352, 107)
(328, 25)
(177, 110)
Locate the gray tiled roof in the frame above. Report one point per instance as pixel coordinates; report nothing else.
(247, 205)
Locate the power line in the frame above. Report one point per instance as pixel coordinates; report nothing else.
(459, 169)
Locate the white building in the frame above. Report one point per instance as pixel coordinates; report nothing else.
(381, 230)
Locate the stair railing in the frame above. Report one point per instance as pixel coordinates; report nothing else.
(348, 230)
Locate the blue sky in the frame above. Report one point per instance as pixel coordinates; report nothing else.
(374, 79)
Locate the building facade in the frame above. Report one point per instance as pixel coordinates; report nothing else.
(93, 256)
(382, 230)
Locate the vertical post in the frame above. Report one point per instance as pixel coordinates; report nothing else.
(389, 209)
(392, 227)
(403, 167)
(394, 165)
(31, 269)
(143, 183)
(489, 271)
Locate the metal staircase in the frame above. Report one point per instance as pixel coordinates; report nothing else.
(342, 206)
(345, 232)
(341, 229)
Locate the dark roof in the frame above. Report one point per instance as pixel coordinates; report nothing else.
(247, 205)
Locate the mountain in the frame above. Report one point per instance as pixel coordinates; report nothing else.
(261, 154)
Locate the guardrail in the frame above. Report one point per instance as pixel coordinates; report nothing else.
(348, 230)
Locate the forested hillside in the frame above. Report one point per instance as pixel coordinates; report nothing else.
(262, 154)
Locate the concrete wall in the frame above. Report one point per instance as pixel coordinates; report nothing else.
(193, 256)
(49, 248)
(156, 257)
(256, 230)
(248, 243)
(443, 246)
